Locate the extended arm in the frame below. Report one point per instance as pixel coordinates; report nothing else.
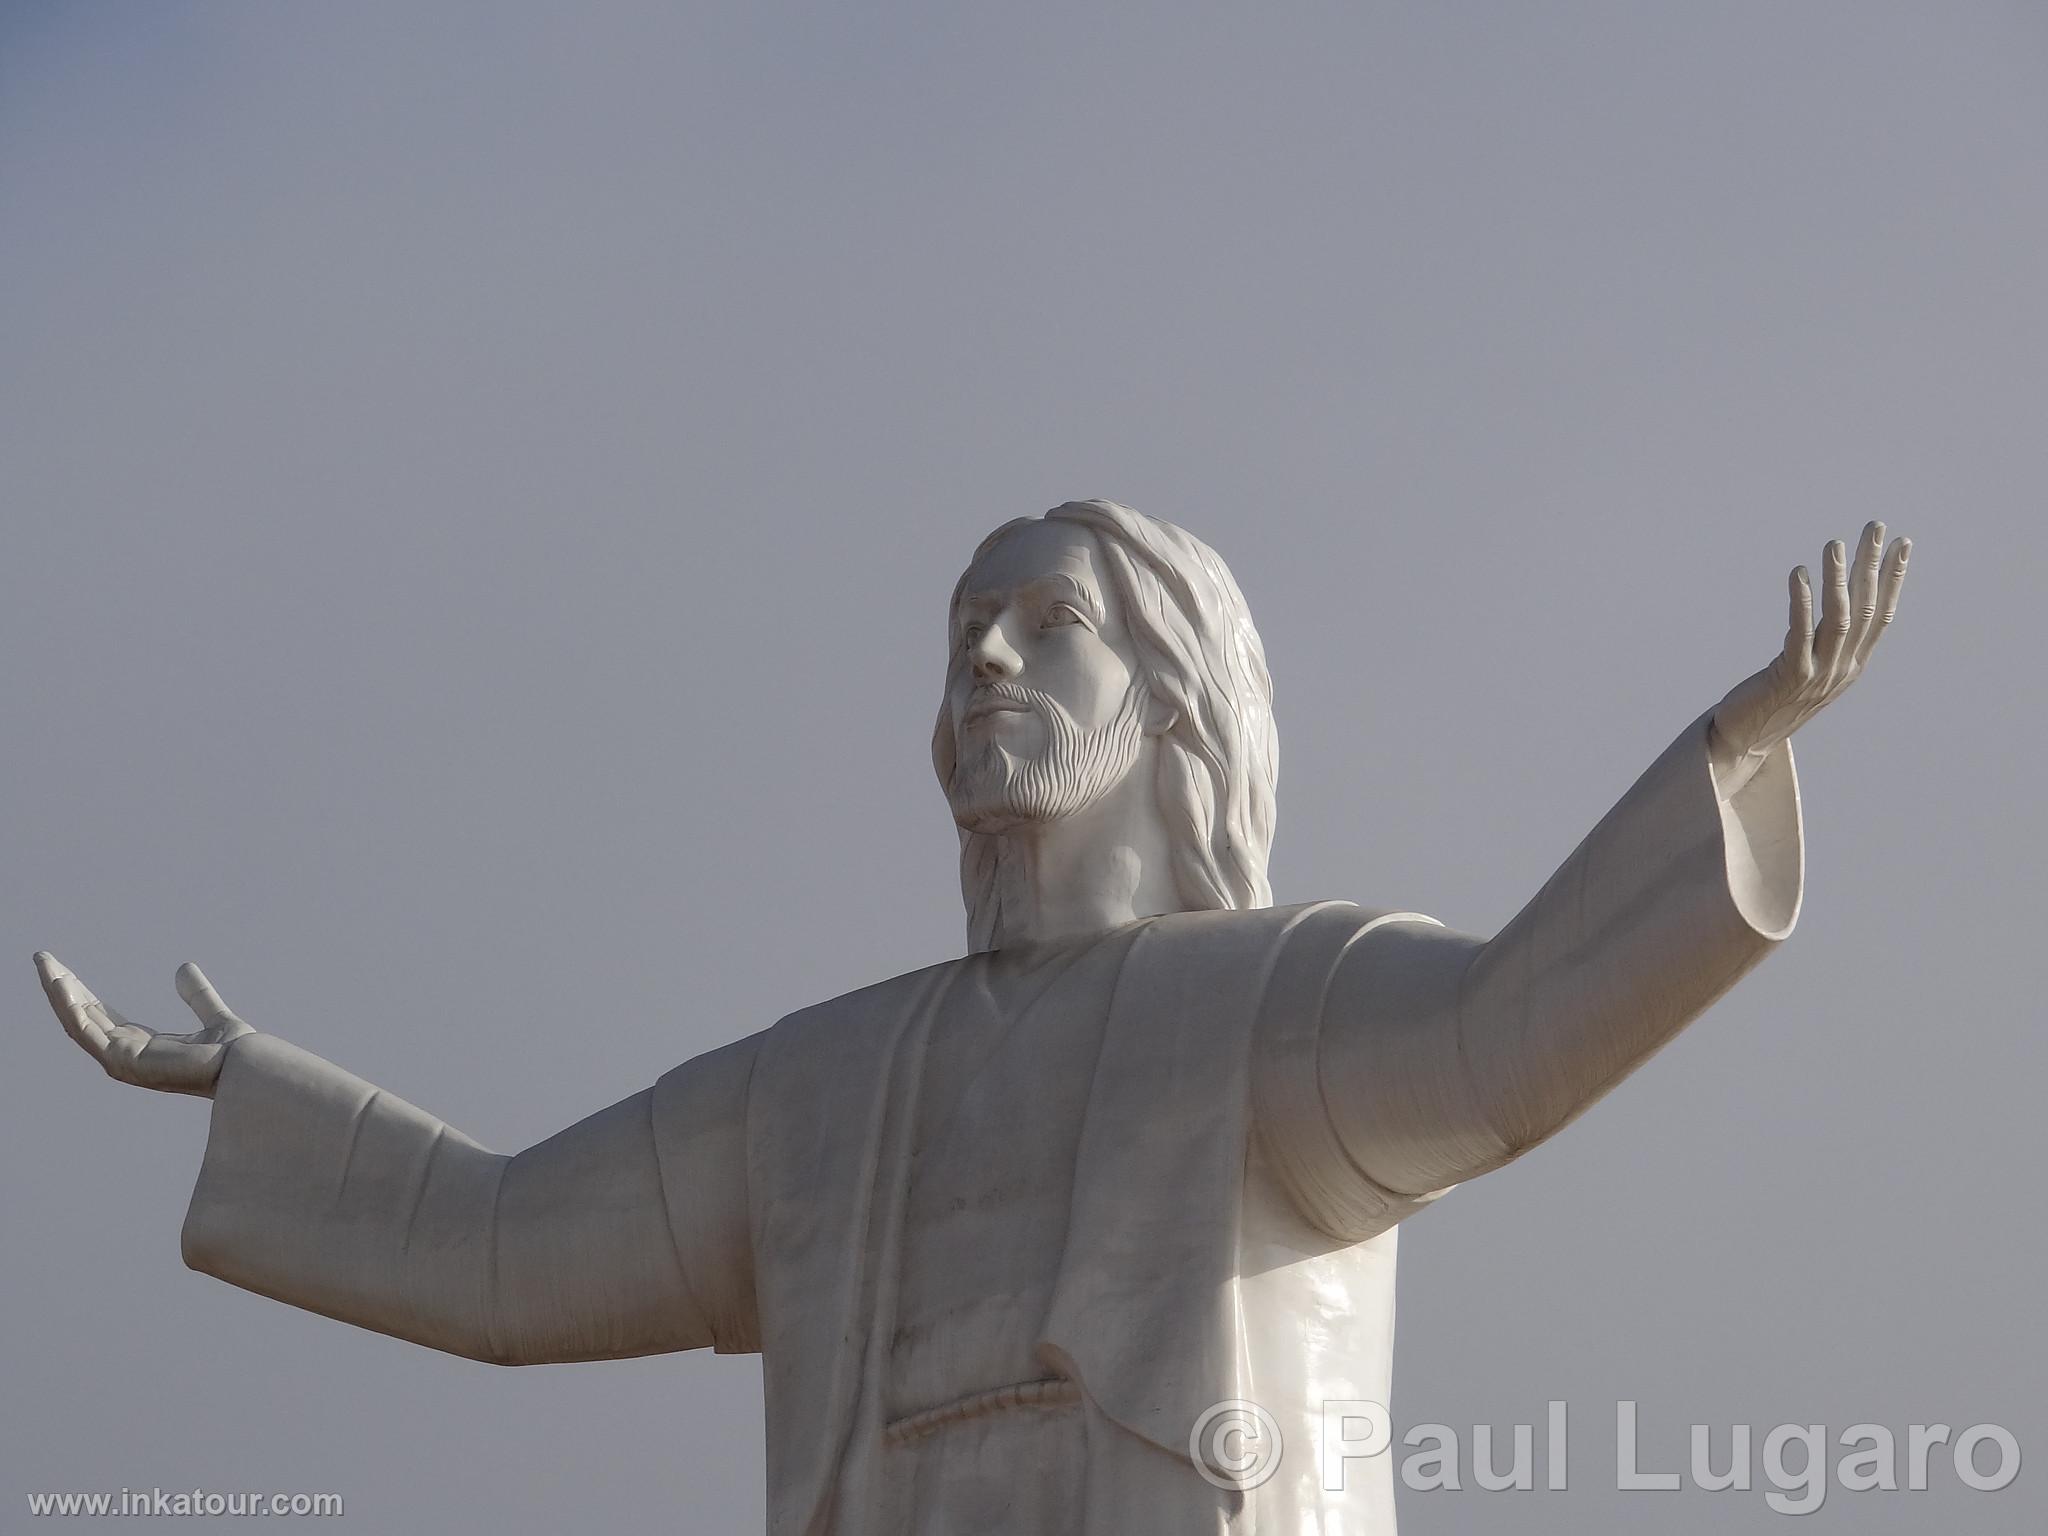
(622, 1235)
(1443, 1056)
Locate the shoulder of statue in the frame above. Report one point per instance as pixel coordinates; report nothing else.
(1305, 934)
(878, 999)
(1280, 919)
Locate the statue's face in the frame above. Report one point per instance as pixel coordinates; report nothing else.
(1041, 689)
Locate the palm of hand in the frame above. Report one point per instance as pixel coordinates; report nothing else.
(134, 1053)
(1817, 663)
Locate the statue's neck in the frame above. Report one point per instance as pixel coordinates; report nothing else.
(1100, 868)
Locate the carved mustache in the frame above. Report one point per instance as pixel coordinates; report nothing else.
(993, 697)
(994, 788)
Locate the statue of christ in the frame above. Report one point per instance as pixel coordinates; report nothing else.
(1006, 1231)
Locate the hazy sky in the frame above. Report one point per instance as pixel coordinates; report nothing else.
(481, 485)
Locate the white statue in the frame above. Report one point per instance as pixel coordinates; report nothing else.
(1004, 1229)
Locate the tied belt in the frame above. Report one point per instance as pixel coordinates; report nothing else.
(1049, 1392)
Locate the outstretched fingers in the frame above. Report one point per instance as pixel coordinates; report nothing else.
(1799, 628)
(134, 1053)
(1830, 641)
(1863, 589)
(1891, 576)
(73, 1003)
(1817, 661)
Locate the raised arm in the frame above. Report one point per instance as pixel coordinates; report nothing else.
(625, 1234)
(1443, 1056)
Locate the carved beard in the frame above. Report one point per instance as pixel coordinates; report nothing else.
(995, 790)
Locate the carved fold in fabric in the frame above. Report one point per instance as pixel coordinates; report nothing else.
(1269, 1083)
(1291, 1118)
(700, 1113)
(1443, 1056)
(323, 1192)
(1050, 1391)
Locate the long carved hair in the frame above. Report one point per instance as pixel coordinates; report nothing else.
(1200, 658)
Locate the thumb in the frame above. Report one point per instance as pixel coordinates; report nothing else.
(206, 1003)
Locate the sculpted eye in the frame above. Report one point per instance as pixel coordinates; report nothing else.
(969, 633)
(1060, 613)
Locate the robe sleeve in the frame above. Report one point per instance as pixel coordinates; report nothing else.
(625, 1234)
(1438, 1056)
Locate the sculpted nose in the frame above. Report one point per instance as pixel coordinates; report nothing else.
(993, 658)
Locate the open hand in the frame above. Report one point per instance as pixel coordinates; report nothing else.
(145, 1057)
(1817, 663)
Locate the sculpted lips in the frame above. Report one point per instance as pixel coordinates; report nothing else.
(987, 705)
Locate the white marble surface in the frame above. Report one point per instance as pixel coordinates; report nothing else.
(1192, 1118)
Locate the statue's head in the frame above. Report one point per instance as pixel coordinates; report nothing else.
(1083, 644)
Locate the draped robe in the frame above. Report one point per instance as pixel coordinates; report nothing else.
(1239, 1106)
